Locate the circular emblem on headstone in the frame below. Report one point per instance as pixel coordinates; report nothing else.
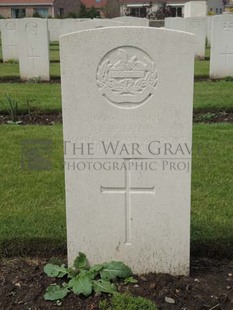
(11, 25)
(32, 28)
(127, 76)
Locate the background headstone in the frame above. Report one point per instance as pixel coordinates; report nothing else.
(195, 9)
(221, 55)
(10, 37)
(133, 21)
(129, 90)
(195, 25)
(156, 23)
(34, 48)
(97, 23)
(54, 26)
(58, 27)
(175, 23)
(67, 25)
(208, 29)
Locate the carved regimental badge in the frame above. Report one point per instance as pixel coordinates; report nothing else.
(127, 76)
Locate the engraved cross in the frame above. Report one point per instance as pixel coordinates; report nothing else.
(226, 54)
(127, 190)
(11, 48)
(33, 56)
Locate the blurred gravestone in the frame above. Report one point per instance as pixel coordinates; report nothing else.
(195, 25)
(133, 21)
(221, 55)
(10, 37)
(34, 49)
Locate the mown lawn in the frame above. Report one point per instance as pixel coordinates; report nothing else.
(8, 69)
(202, 67)
(47, 97)
(11, 70)
(40, 96)
(32, 207)
(213, 95)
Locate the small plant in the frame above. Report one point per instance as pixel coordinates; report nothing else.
(12, 107)
(206, 117)
(223, 113)
(126, 301)
(34, 80)
(12, 61)
(83, 279)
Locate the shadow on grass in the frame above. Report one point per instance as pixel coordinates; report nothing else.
(217, 249)
(40, 247)
(46, 248)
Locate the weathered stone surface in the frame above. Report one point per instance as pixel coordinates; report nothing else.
(221, 56)
(127, 115)
(34, 49)
(195, 9)
(10, 37)
(195, 25)
(133, 21)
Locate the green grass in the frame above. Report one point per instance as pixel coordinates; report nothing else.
(212, 184)
(32, 207)
(32, 202)
(12, 70)
(41, 96)
(54, 51)
(207, 95)
(213, 96)
(126, 301)
(201, 68)
(207, 52)
(6, 70)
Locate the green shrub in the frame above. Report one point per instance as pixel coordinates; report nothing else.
(82, 279)
(36, 14)
(72, 15)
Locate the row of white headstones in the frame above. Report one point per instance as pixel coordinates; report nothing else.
(219, 30)
(27, 40)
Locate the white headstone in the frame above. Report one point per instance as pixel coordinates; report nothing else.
(175, 23)
(58, 27)
(67, 26)
(34, 48)
(9, 35)
(221, 56)
(208, 29)
(195, 9)
(97, 23)
(195, 25)
(54, 26)
(130, 204)
(133, 21)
